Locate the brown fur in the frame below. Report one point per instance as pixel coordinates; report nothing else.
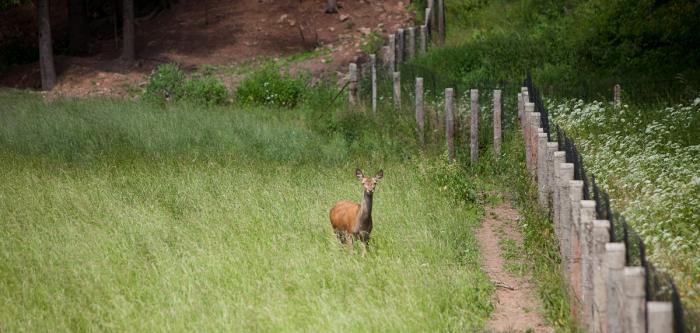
(351, 220)
(344, 216)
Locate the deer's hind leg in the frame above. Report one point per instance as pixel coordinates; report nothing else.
(342, 236)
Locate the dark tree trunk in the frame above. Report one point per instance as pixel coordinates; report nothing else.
(129, 50)
(78, 33)
(331, 6)
(48, 71)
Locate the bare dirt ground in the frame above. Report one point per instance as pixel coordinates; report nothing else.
(516, 306)
(223, 32)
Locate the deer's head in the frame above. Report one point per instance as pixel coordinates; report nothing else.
(369, 182)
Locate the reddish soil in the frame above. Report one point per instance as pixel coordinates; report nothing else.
(221, 32)
(517, 309)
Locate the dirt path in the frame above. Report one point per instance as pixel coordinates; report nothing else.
(517, 307)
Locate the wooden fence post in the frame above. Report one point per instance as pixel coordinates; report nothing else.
(352, 86)
(411, 53)
(433, 18)
(635, 303)
(615, 260)
(449, 123)
(659, 317)
(397, 90)
(423, 39)
(497, 122)
(373, 63)
(441, 21)
(400, 46)
(428, 20)
(392, 53)
(601, 237)
(474, 123)
(420, 115)
(616, 96)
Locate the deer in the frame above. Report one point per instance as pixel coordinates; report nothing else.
(354, 221)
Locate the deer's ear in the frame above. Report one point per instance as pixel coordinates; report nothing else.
(358, 174)
(379, 175)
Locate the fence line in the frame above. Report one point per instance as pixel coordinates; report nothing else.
(611, 285)
(613, 288)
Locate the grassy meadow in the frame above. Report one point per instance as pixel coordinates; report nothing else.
(122, 216)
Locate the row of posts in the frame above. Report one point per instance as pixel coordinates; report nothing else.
(606, 296)
(403, 47)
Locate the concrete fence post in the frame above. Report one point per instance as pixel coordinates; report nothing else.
(575, 196)
(566, 175)
(533, 137)
(550, 180)
(541, 168)
(449, 124)
(392, 53)
(659, 317)
(420, 115)
(423, 39)
(521, 109)
(615, 262)
(411, 47)
(527, 133)
(397, 90)
(586, 224)
(635, 303)
(497, 123)
(352, 86)
(400, 47)
(601, 237)
(474, 124)
(373, 69)
(558, 157)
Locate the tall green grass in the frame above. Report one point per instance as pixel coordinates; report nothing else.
(119, 216)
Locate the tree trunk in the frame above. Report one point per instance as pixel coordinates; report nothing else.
(48, 71)
(331, 6)
(78, 32)
(129, 50)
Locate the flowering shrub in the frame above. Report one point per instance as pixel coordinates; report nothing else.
(649, 162)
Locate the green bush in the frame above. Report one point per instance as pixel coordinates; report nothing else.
(207, 90)
(166, 83)
(169, 83)
(269, 86)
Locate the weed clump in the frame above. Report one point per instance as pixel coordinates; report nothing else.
(271, 87)
(169, 83)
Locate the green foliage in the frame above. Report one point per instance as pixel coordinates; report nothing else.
(207, 90)
(165, 83)
(169, 83)
(269, 86)
(372, 43)
(453, 179)
(573, 48)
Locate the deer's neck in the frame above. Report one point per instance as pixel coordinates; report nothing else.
(365, 216)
